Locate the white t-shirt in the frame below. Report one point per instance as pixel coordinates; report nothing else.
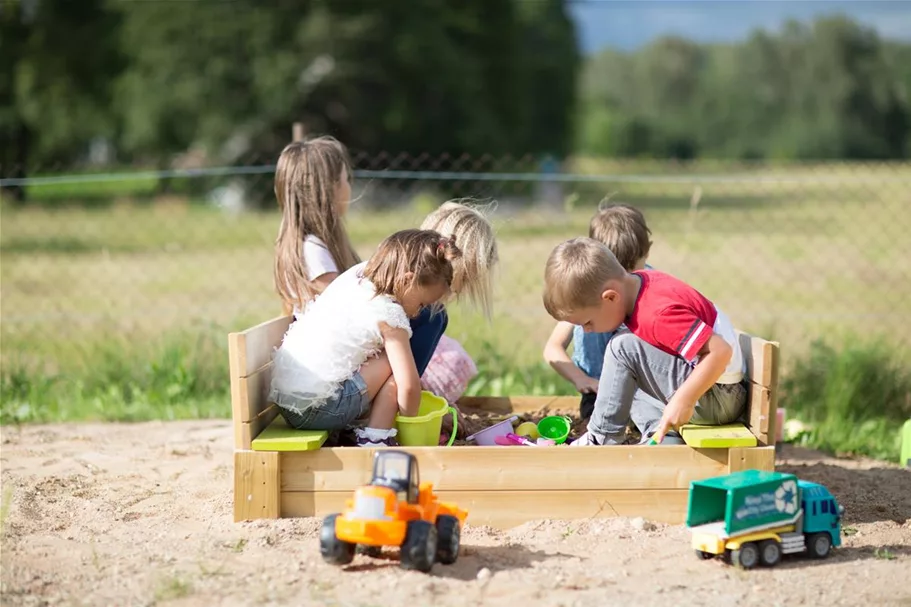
(339, 332)
(318, 260)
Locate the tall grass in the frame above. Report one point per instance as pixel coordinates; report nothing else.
(498, 375)
(853, 399)
(183, 375)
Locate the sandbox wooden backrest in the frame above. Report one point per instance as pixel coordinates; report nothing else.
(250, 357)
(250, 362)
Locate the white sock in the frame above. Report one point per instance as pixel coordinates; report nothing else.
(373, 437)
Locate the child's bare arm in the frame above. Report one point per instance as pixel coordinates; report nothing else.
(404, 370)
(322, 281)
(714, 357)
(556, 357)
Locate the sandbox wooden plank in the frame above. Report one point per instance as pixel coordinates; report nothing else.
(254, 346)
(505, 509)
(256, 489)
(514, 468)
(751, 458)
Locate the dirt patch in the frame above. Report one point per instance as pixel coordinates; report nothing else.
(140, 514)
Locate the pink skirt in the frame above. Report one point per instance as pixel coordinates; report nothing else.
(449, 371)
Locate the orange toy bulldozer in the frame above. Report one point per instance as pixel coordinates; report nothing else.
(394, 510)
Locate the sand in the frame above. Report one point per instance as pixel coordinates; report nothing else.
(140, 514)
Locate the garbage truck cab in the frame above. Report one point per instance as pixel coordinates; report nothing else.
(820, 510)
(752, 517)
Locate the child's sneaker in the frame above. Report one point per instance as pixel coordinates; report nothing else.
(376, 437)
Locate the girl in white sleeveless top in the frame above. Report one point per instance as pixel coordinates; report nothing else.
(347, 362)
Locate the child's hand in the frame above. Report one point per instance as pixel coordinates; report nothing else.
(586, 385)
(463, 426)
(676, 413)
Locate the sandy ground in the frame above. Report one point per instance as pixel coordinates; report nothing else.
(111, 514)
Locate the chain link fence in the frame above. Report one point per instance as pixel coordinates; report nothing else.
(111, 262)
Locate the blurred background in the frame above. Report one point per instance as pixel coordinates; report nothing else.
(767, 144)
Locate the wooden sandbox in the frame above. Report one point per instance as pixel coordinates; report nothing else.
(500, 486)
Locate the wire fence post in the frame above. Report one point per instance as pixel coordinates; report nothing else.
(297, 131)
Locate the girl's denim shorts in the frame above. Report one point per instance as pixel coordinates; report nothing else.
(337, 413)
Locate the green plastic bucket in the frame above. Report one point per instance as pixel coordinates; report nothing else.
(555, 427)
(423, 430)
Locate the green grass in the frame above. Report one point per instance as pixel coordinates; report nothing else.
(178, 377)
(853, 398)
(121, 311)
(172, 589)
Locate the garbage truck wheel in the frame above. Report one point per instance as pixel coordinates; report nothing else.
(747, 557)
(770, 553)
(703, 555)
(819, 545)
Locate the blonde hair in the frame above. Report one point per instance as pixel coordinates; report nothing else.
(473, 271)
(575, 275)
(307, 176)
(425, 253)
(623, 229)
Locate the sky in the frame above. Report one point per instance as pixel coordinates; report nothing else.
(629, 24)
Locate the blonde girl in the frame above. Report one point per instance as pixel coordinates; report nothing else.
(472, 272)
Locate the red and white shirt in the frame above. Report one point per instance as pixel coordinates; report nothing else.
(677, 319)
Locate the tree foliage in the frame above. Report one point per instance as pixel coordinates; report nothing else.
(229, 78)
(831, 89)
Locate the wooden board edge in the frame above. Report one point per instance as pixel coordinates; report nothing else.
(257, 485)
(506, 509)
(236, 363)
(251, 429)
(259, 341)
(772, 431)
(751, 458)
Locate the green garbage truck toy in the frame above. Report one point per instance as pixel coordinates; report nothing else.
(752, 517)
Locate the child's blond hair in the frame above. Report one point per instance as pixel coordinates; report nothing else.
(473, 275)
(425, 254)
(623, 229)
(576, 274)
(307, 176)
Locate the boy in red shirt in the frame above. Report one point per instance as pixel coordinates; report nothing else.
(680, 349)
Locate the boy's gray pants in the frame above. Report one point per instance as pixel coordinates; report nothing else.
(638, 380)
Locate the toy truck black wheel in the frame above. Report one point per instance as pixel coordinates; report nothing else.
(334, 550)
(419, 550)
(770, 553)
(819, 545)
(448, 537)
(747, 557)
(703, 555)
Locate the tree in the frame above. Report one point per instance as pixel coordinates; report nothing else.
(549, 65)
(59, 60)
(828, 90)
